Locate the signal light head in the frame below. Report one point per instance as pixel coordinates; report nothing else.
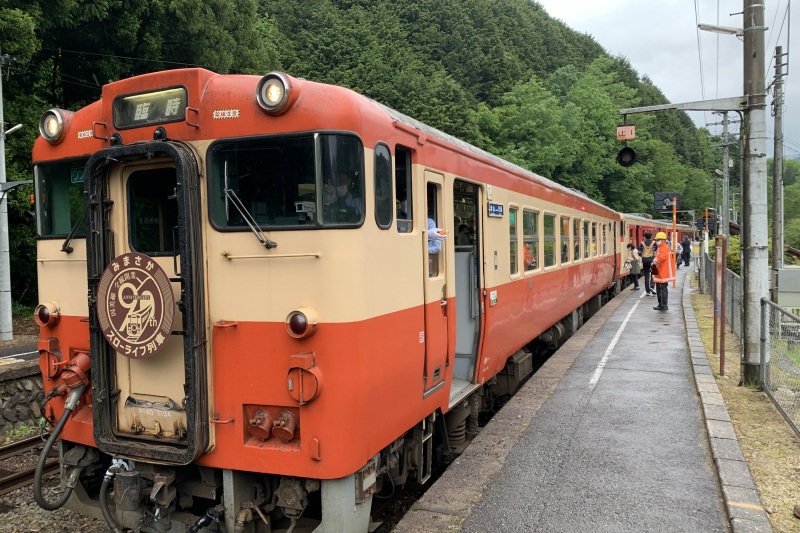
(301, 323)
(273, 92)
(53, 125)
(626, 157)
(47, 314)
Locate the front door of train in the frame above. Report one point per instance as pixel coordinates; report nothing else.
(146, 310)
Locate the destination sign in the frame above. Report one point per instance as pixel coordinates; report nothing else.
(145, 109)
(495, 210)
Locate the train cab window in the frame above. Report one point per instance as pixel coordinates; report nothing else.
(530, 235)
(566, 245)
(512, 240)
(383, 186)
(59, 198)
(152, 211)
(576, 236)
(402, 189)
(287, 182)
(549, 240)
(587, 247)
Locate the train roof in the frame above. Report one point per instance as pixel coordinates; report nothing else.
(655, 222)
(463, 145)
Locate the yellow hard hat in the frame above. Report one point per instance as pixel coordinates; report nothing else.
(661, 236)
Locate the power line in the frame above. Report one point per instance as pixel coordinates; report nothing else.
(772, 27)
(699, 52)
(716, 94)
(780, 32)
(78, 52)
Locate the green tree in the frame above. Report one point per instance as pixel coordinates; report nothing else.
(528, 129)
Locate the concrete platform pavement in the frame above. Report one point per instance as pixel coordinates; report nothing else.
(622, 430)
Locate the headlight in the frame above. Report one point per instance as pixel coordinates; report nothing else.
(301, 322)
(273, 92)
(53, 125)
(47, 314)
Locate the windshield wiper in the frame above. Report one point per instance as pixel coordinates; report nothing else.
(65, 247)
(237, 203)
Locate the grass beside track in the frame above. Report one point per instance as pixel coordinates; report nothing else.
(769, 444)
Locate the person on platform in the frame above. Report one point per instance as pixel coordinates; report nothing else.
(687, 250)
(647, 250)
(635, 261)
(663, 270)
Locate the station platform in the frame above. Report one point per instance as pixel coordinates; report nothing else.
(622, 430)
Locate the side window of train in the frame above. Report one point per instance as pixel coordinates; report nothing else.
(530, 236)
(402, 189)
(604, 238)
(383, 186)
(565, 242)
(587, 248)
(549, 240)
(576, 236)
(512, 240)
(594, 239)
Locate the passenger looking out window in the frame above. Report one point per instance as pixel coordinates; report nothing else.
(435, 234)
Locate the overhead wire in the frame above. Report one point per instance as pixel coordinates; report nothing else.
(716, 93)
(114, 56)
(777, 38)
(145, 60)
(700, 53)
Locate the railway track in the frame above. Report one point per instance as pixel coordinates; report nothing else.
(13, 480)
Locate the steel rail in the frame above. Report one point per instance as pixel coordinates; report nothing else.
(24, 445)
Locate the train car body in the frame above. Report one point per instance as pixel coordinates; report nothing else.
(636, 225)
(266, 299)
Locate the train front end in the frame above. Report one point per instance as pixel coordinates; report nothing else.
(179, 345)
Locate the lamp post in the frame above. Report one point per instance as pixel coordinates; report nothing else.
(6, 328)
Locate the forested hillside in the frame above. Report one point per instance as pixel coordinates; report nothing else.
(500, 74)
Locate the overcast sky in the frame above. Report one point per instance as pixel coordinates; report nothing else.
(660, 39)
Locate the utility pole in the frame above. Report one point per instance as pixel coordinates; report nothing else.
(725, 192)
(754, 190)
(6, 328)
(777, 177)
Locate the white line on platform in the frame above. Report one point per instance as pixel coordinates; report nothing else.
(599, 370)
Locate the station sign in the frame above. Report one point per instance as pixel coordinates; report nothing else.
(626, 132)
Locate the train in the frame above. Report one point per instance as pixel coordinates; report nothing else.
(267, 302)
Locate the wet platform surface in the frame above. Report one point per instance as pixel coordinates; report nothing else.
(622, 430)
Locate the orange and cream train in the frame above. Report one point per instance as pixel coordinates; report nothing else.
(267, 301)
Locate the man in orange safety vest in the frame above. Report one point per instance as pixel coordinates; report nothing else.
(663, 271)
